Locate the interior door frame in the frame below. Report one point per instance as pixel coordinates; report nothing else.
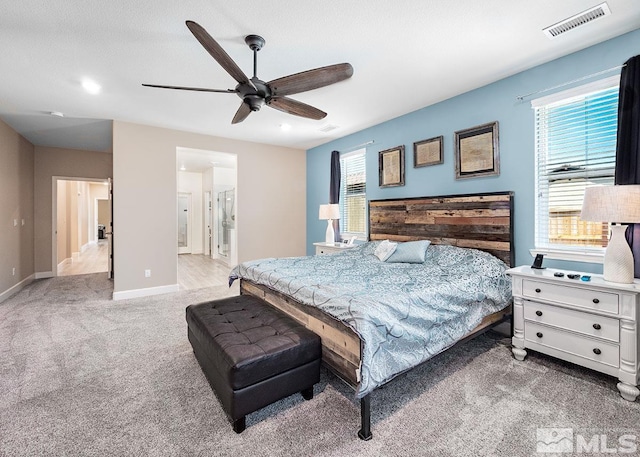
(54, 213)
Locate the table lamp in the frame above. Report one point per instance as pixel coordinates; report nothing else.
(615, 204)
(329, 213)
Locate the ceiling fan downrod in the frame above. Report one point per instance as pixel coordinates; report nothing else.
(255, 43)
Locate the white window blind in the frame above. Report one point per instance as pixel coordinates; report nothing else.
(353, 195)
(575, 133)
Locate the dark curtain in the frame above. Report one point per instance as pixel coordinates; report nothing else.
(628, 143)
(334, 188)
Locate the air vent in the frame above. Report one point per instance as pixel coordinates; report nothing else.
(576, 21)
(327, 128)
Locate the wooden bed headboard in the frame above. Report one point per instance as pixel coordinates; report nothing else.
(480, 221)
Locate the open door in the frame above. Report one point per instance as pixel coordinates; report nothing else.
(208, 230)
(109, 233)
(184, 223)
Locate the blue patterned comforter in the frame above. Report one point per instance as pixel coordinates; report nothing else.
(404, 313)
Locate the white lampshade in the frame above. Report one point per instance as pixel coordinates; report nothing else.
(614, 204)
(331, 211)
(611, 204)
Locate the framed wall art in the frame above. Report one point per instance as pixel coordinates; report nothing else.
(476, 151)
(428, 152)
(391, 167)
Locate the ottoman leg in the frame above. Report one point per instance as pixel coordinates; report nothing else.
(307, 394)
(239, 425)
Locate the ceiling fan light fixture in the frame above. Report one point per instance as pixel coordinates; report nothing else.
(254, 101)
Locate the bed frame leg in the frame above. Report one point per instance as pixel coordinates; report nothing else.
(365, 418)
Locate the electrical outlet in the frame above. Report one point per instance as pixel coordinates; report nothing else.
(23, 222)
(15, 222)
(14, 271)
(147, 273)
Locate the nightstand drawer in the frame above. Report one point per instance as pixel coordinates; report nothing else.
(577, 321)
(564, 293)
(597, 350)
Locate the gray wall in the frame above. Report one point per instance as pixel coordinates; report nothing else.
(16, 202)
(271, 195)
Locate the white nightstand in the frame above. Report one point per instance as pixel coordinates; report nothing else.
(589, 323)
(331, 248)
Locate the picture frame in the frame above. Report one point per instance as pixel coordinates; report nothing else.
(477, 151)
(428, 152)
(391, 167)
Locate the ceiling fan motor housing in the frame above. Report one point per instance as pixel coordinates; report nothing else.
(255, 98)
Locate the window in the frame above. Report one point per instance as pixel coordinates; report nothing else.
(575, 133)
(353, 195)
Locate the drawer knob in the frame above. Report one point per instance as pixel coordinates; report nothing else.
(596, 301)
(597, 326)
(539, 335)
(597, 351)
(538, 313)
(538, 291)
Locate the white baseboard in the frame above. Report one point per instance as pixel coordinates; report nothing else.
(66, 261)
(17, 288)
(137, 293)
(86, 246)
(44, 274)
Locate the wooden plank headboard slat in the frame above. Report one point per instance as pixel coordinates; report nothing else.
(480, 221)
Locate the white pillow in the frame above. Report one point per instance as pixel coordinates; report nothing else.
(385, 249)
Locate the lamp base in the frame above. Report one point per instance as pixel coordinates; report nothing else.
(330, 237)
(618, 259)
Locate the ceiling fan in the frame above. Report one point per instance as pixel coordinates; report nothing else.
(254, 92)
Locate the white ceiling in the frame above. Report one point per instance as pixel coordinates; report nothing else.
(406, 55)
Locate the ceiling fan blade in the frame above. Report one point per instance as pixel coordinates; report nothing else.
(198, 89)
(291, 106)
(218, 53)
(310, 79)
(242, 113)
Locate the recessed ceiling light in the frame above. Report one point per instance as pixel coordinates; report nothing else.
(56, 113)
(285, 127)
(91, 87)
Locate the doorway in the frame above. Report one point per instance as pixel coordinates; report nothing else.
(81, 226)
(203, 175)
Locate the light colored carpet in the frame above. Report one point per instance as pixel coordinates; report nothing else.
(83, 375)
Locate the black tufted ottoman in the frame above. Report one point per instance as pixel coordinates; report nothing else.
(252, 354)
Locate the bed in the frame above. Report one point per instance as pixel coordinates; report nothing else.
(378, 320)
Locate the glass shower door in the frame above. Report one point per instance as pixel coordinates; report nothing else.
(226, 221)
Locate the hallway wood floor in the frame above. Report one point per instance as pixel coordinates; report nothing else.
(92, 260)
(195, 271)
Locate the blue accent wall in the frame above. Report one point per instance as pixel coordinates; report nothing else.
(494, 102)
